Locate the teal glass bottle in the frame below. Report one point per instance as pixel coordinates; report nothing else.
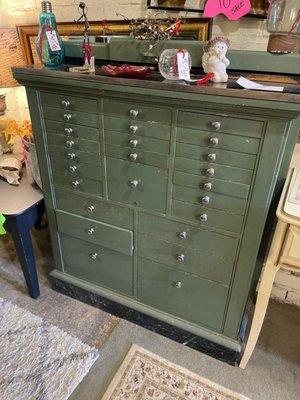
(49, 45)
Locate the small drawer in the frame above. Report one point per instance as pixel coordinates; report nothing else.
(188, 236)
(76, 184)
(216, 156)
(67, 102)
(137, 156)
(151, 129)
(211, 185)
(98, 265)
(207, 216)
(177, 293)
(137, 111)
(219, 123)
(137, 142)
(94, 209)
(291, 248)
(211, 200)
(136, 184)
(75, 155)
(205, 265)
(71, 117)
(106, 235)
(72, 131)
(218, 140)
(74, 144)
(221, 172)
(76, 170)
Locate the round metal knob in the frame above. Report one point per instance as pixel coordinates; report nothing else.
(66, 103)
(70, 143)
(133, 128)
(211, 157)
(133, 184)
(177, 285)
(133, 157)
(71, 156)
(67, 117)
(203, 217)
(133, 143)
(205, 200)
(90, 231)
(72, 168)
(90, 209)
(216, 125)
(134, 113)
(75, 184)
(207, 186)
(94, 256)
(180, 257)
(214, 141)
(183, 235)
(210, 172)
(68, 131)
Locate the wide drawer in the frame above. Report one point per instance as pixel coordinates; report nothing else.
(211, 200)
(73, 143)
(177, 293)
(71, 117)
(208, 216)
(76, 184)
(138, 156)
(76, 170)
(207, 266)
(238, 126)
(216, 156)
(94, 209)
(99, 233)
(188, 236)
(137, 111)
(98, 265)
(225, 141)
(151, 129)
(75, 155)
(67, 102)
(137, 142)
(72, 131)
(136, 184)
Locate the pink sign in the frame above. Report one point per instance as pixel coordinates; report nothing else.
(233, 9)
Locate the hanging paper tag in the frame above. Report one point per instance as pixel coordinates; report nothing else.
(2, 220)
(233, 9)
(53, 41)
(183, 65)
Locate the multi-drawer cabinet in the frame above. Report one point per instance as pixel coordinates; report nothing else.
(158, 199)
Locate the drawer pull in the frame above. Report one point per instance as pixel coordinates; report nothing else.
(90, 231)
(207, 186)
(133, 184)
(67, 117)
(180, 257)
(72, 168)
(177, 285)
(133, 128)
(71, 156)
(133, 143)
(66, 103)
(216, 125)
(70, 143)
(90, 209)
(214, 141)
(94, 256)
(68, 131)
(134, 113)
(205, 200)
(211, 157)
(210, 172)
(203, 217)
(183, 235)
(75, 184)
(133, 157)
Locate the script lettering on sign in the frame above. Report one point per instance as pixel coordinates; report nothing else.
(233, 9)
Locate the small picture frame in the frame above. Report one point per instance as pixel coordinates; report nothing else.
(177, 5)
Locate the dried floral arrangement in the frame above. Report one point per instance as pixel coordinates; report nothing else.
(14, 130)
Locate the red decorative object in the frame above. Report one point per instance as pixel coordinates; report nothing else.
(126, 70)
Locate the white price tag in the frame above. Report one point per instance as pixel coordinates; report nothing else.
(183, 65)
(52, 40)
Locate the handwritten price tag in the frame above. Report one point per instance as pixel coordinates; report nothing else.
(52, 40)
(233, 9)
(183, 65)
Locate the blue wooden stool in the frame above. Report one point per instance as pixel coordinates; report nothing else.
(23, 207)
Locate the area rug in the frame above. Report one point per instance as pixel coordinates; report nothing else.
(38, 361)
(146, 376)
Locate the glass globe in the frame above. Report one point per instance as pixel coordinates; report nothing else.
(168, 66)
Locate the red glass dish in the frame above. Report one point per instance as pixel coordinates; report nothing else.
(126, 70)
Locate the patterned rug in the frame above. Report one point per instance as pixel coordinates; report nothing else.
(38, 360)
(146, 376)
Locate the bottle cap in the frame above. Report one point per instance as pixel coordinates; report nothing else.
(46, 6)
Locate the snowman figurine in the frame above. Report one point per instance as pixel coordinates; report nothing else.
(214, 59)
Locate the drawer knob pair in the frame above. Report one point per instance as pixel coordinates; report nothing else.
(67, 117)
(133, 129)
(211, 157)
(214, 141)
(207, 186)
(180, 257)
(177, 285)
(66, 103)
(68, 131)
(75, 184)
(73, 168)
(70, 143)
(134, 113)
(216, 126)
(90, 209)
(90, 231)
(94, 256)
(133, 157)
(183, 235)
(133, 143)
(133, 184)
(210, 172)
(203, 217)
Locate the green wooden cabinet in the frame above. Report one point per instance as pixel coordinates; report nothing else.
(157, 194)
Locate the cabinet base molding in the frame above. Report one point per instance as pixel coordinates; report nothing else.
(189, 339)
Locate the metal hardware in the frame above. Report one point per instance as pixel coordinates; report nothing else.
(216, 125)
(133, 157)
(67, 117)
(94, 256)
(90, 209)
(71, 156)
(66, 103)
(210, 172)
(133, 128)
(133, 184)
(203, 217)
(214, 141)
(205, 200)
(90, 231)
(211, 157)
(133, 143)
(207, 186)
(75, 184)
(68, 131)
(183, 235)
(177, 285)
(180, 257)
(72, 168)
(134, 113)
(70, 143)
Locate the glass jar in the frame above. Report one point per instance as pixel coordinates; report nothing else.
(168, 64)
